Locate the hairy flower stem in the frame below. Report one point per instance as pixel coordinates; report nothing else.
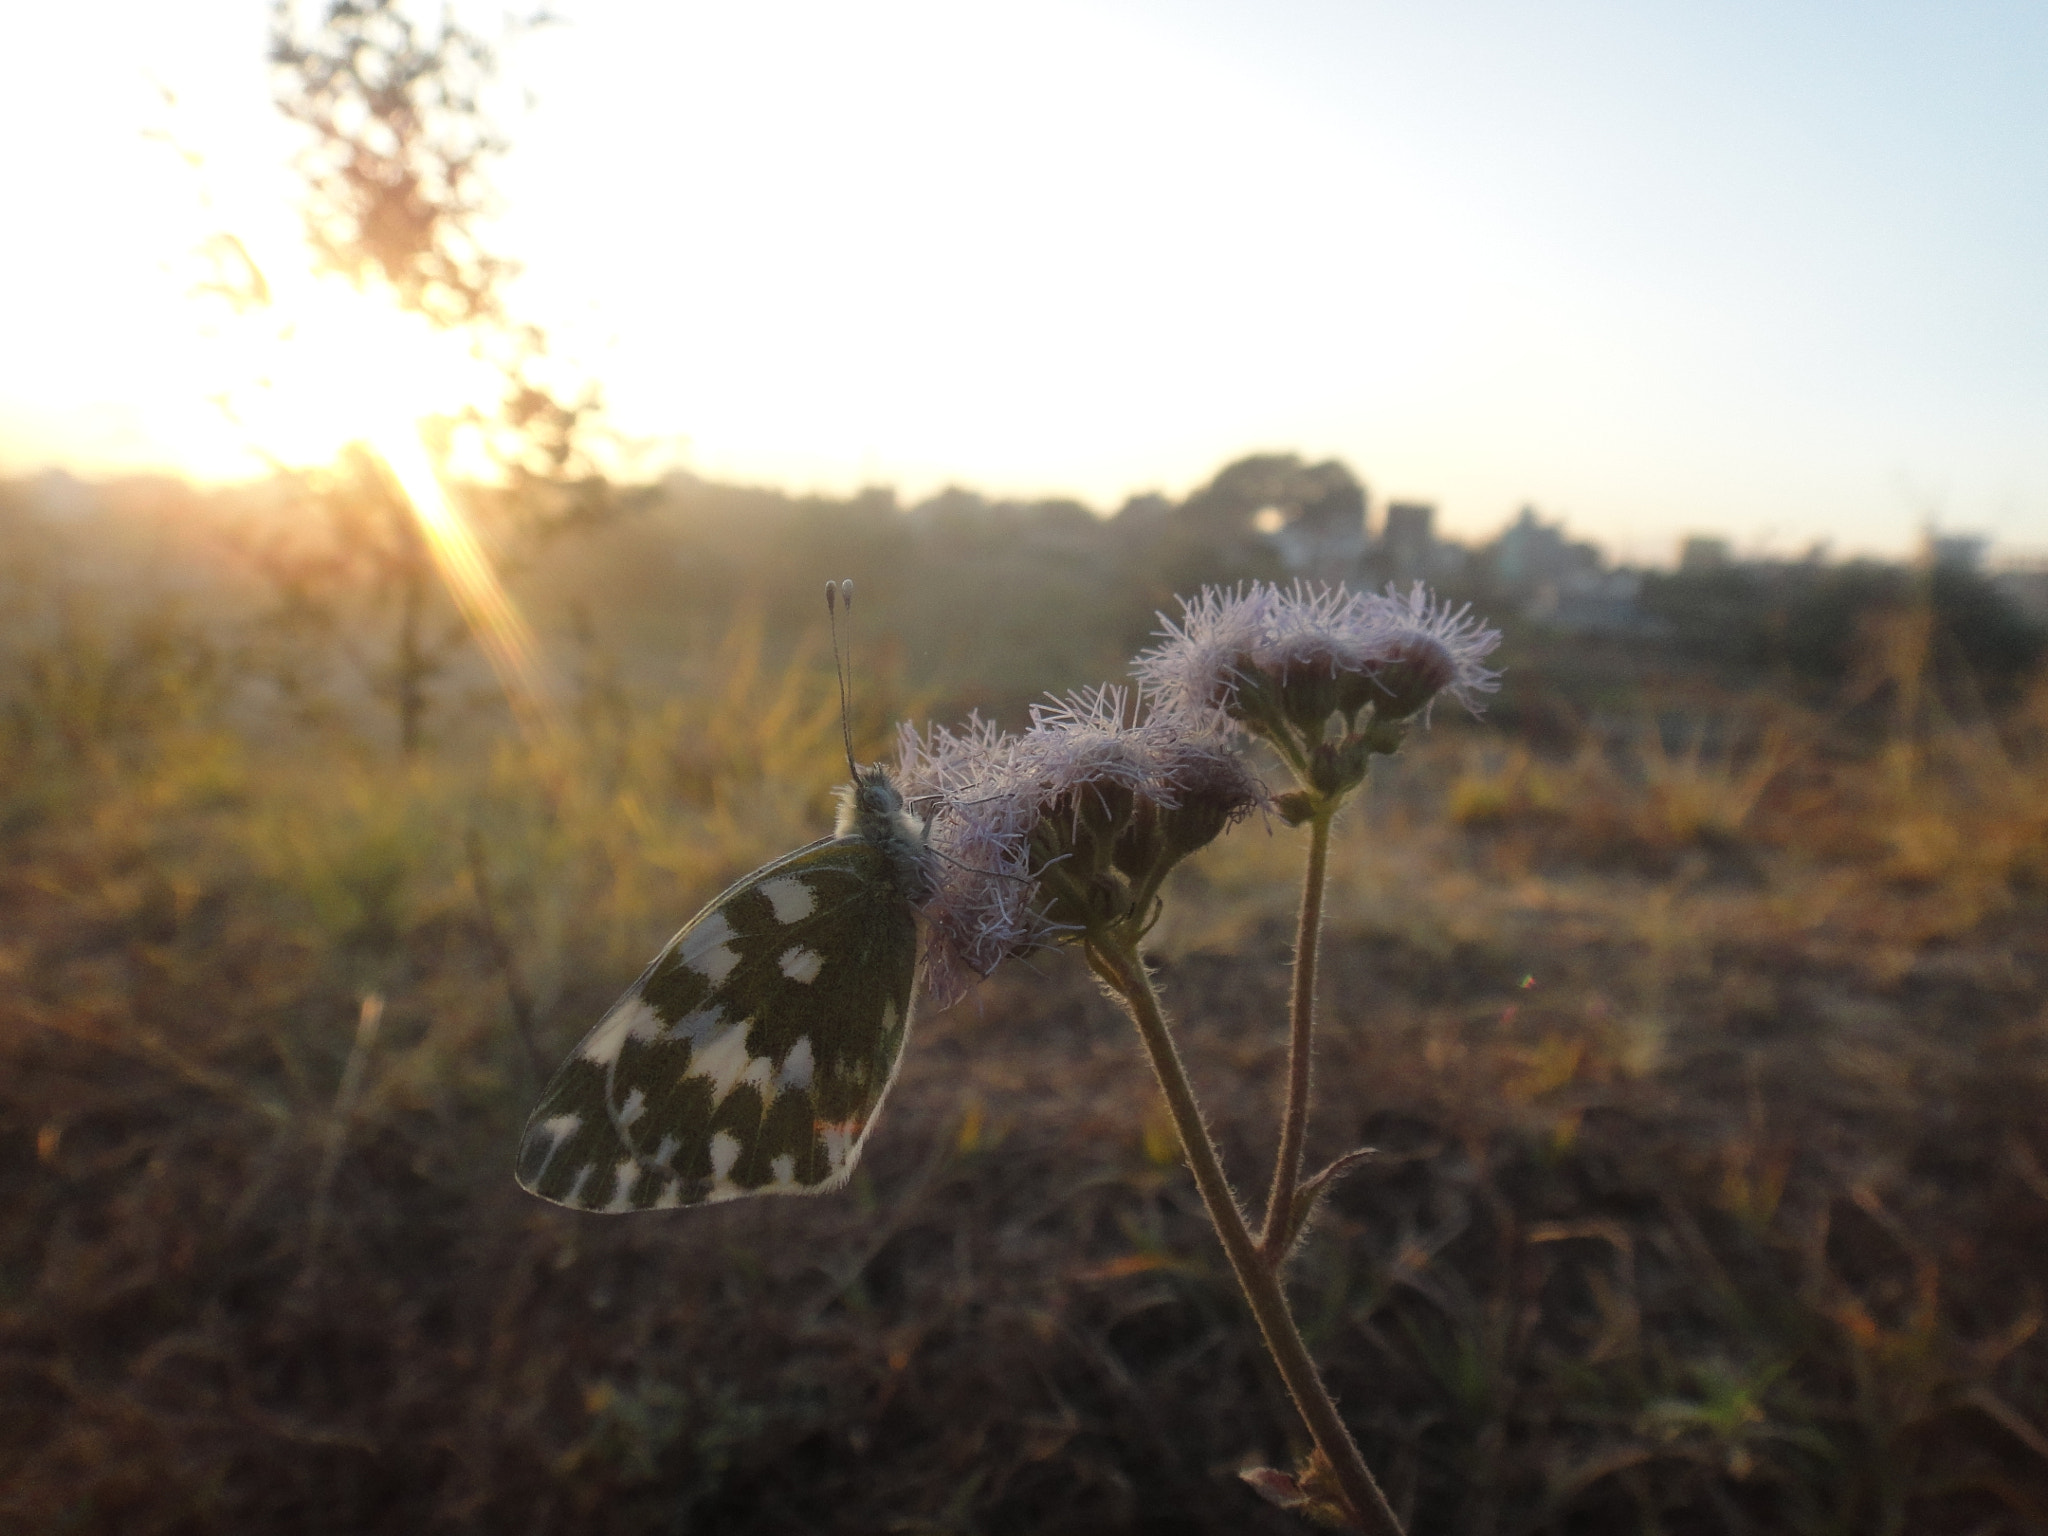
(1114, 958)
(1281, 1222)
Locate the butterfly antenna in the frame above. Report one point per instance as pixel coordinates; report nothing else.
(838, 594)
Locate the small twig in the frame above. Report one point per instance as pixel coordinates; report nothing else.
(346, 1096)
(2026, 1165)
(2008, 1418)
(1313, 1189)
(148, 1046)
(517, 996)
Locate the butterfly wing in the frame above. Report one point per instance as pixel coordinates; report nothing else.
(752, 1055)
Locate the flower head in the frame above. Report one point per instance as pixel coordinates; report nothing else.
(980, 913)
(1283, 663)
(1427, 649)
(1244, 652)
(1048, 835)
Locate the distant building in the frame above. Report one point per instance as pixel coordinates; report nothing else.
(1961, 552)
(2026, 588)
(1589, 603)
(1531, 553)
(1701, 553)
(1407, 549)
(1562, 583)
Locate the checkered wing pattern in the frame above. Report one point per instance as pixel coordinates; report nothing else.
(753, 1054)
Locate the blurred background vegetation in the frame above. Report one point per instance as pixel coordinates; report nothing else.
(1692, 996)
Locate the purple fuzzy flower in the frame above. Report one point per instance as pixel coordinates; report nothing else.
(1044, 835)
(1374, 648)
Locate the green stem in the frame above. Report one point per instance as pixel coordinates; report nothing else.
(1280, 1223)
(1116, 961)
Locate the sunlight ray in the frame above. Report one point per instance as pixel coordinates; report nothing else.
(501, 630)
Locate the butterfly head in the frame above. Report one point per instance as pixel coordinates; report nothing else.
(873, 809)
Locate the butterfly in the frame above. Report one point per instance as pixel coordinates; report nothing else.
(753, 1054)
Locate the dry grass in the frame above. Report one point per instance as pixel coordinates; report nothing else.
(1705, 1066)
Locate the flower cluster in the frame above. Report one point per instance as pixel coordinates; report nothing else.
(1233, 649)
(1283, 664)
(1067, 832)
(1070, 826)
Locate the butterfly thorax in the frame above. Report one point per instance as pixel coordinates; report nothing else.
(872, 809)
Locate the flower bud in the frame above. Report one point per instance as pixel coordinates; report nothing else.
(1295, 806)
(1308, 697)
(1413, 670)
(1068, 830)
(1280, 665)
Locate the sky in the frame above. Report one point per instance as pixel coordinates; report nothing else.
(1777, 271)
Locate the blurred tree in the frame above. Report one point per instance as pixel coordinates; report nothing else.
(397, 194)
(396, 199)
(367, 570)
(395, 173)
(1212, 536)
(1813, 624)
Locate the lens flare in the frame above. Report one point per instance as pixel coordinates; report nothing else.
(501, 630)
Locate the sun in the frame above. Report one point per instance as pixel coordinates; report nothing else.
(325, 366)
